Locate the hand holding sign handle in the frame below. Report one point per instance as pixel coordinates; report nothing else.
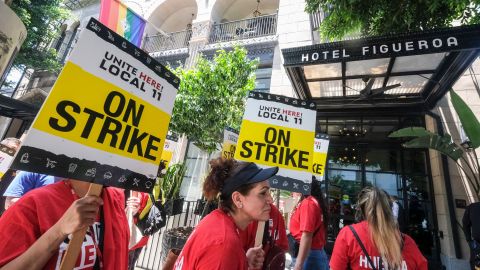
(75, 244)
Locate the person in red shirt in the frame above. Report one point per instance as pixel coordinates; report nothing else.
(308, 225)
(244, 196)
(136, 202)
(276, 231)
(35, 231)
(385, 246)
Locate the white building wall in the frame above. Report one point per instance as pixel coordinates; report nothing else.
(461, 189)
(293, 30)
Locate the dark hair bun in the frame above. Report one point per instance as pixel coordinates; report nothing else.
(220, 170)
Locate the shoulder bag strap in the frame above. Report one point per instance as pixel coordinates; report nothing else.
(362, 246)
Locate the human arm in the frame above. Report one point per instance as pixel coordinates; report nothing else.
(304, 249)
(80, 214)
(133, 204)
(310, 222)
(255, 257)
(9, 201)
(21, 184)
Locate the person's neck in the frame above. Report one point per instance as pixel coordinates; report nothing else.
(240, 220)
(80, 187)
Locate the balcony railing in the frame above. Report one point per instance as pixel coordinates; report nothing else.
(165, 42)
(244, 29)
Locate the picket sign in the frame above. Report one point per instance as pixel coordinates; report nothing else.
(115, 139)
(259, 235)
(279, 131)
(75, 244)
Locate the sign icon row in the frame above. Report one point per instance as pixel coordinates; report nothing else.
(286, 183)
(91, 172)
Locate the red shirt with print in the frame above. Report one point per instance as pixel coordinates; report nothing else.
(37, 211)
(308, 217)
(144, 197)
(213, 245)
(276, 231)
(347, 252)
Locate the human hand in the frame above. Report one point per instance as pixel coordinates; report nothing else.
(298, 266)
(81, 214)
(255, 257)
(133, 203)
(473, 244)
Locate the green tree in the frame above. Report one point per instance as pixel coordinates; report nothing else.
(41, 18)
(345, 17)
(212, 96)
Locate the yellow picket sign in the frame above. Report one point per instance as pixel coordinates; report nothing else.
(112, 121)
(272, 145)
(320, 155)
(230, 139)
(279, 131)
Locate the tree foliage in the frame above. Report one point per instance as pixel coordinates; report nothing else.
(212, 96)
(41, 18)
(344, 17)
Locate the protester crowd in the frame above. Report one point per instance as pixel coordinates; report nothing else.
(43, 211)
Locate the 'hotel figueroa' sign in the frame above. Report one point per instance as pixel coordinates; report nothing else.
(433, 41)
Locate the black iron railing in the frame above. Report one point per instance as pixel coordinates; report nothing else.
(244, 29)
(165, 42)
(155, 251)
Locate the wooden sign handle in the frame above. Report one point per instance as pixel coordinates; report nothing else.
(71, 255)
(259, 235)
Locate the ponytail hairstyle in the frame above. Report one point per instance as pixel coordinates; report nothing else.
(373, 205)
(220, 170)
(319, 196)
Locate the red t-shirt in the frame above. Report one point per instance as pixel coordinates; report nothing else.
(143, 203)
(276, 231)
(308, 217)
(347, 251)
(37, 211)
(213, 245)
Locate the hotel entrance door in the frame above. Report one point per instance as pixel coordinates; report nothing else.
(360, 155)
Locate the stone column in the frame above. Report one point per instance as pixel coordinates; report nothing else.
(200, 36)
(293, 30)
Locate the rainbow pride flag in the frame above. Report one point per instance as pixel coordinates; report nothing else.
(118, 17)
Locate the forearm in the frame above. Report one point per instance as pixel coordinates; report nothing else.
(9, 201)
(304, 249)
(37, 256)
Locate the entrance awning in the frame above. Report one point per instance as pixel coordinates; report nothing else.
(14, 108)
(411, 70)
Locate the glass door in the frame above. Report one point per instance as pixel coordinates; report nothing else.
(360, 155)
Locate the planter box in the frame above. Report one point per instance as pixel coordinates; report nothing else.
(174, 239)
